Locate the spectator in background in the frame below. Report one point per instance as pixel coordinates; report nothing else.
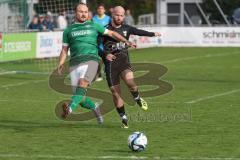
(48, 23)
(110, 11)
(128, 18)
(90, 15)
(50, 15)
(20, 23)
(62, 20)
(42, 24)
(34, 24)
(102, 19)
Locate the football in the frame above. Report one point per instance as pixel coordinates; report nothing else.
(137, 141)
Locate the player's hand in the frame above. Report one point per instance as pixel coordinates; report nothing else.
(60, 69)
(157, 34)
(131, 44)
(110, 57)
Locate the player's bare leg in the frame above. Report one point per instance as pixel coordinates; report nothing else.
(119, 103)
(128, 78)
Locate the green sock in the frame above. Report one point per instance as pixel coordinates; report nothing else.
(88, 103)
(78, 97)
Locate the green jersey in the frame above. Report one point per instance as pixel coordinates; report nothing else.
(82, 41)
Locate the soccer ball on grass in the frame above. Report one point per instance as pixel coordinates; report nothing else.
(137, 141)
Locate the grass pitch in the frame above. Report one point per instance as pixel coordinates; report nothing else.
(198, 119)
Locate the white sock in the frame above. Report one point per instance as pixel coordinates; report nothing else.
(124, 117)
(70, 110)
(137, 98)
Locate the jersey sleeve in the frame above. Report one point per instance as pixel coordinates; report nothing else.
(65, 41)
(140, 32)
(100, 29)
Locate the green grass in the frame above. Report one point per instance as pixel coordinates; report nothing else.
(207, 128)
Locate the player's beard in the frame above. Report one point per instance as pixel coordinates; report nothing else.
(117, 23)
(82, 19)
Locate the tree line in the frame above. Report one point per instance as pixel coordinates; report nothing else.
(139, 7)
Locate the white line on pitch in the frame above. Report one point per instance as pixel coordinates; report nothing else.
(21, 83)
(169, 61)
(162, 102)
(7, 72)
(109, 157)
(194, 57)
(69, 157)
(213, 96)
(29, 100)
(199, 57)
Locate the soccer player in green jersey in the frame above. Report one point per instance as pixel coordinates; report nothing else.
(81, 39)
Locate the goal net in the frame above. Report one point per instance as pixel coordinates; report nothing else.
(24, 50)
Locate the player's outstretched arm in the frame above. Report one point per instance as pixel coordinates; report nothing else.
(118, 37)
(140, 32)
(62, 59)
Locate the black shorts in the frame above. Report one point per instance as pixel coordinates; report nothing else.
(116, 67)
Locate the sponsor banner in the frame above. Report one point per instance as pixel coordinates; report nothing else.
(145, 42)
(49, 44)
(221, 37)
(17, 46)
(190, 37)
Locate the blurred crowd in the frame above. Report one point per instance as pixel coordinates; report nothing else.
(49, 22)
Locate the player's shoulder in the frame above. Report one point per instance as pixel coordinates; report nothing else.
(109, 26)
(89, 22)
(86, 24)
(107, 16)
(108, 19)
(95, 17)
(95, 24)
(70, 27)
(126, 26)
(67, 29)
